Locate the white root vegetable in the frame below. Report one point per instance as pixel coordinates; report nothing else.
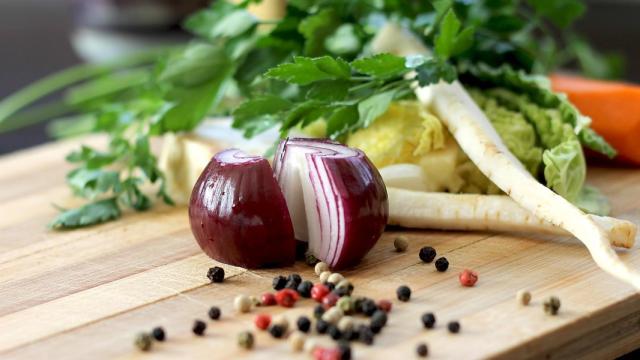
(479, 140)
(431, 210)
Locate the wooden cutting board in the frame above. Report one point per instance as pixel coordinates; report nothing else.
(86, 293)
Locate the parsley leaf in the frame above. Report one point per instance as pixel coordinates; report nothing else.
(561, 12)
(89, 214)
(304, 70)
(381, 66)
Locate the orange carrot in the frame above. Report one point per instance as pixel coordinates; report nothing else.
(614, 108)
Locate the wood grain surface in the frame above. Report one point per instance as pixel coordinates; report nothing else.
(86, 293)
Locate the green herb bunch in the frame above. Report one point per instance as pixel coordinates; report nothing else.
(316, 62)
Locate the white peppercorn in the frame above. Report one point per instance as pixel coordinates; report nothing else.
(333, 315)
(324, 276)
(242, 303)
(400, 244)
(335, 278)
(321, 267)
(297, 341)
(345, 323)
(523, 297)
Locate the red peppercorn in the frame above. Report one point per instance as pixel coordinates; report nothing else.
(329, 300)
(286, 297)
(468, 277)
(262, 321)
(321, 353)
(385, 305)
(267, 299)
(318, 292)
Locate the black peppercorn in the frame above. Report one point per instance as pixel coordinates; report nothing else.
(318, 311)
(427, 254)
(344, 350)
(295, 279)
(404, 293)
(342, 291)
(277, 331)
(330, 286)
(422, 350)
(334, 332)
(349, 335)
(428, 320)
(279, 282)
(214, 313)
(322, 326)
(216, 274)
(442, 264)
(199, 327)
(158, 333)
(454, 327)
(365, 335)
(303, 324)
(375, 328)
(379, 318)
(368, 307)
(304, 289)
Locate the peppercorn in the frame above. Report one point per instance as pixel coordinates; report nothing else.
(268, 299)
(330, 286)
(277, 331)
(379, 317)
(368, 307)
(321, 267)
(295, 278)
(262, 321)
(345, 304)
(349, 335)
(344, 350)
(442, 264)
(322, 326)
(304, 289)
(318, 311)
(454, 327)
(246, 340)
(468, 277)
(335, 278)
(286, 297)
(279, 282)
(242, 303)
(523, 297)
(199, 327)
(427, 254)
(422, 350)
(330, 300)
(214, 313)
(303, 323)
(404, 293)
(385, 305)
(282, 321)
(365, 335)
(346, 323)
(324, 276)
(333, 315)
(340, 292)
(143, 342)
(334, 332)
(158, 333)
(428, 320)
(322, 353)
(297, 340)
(318, 292)
(552, 305)
(375, 328)
(345, 284)
(311, 260)
(255, 301)
(216, 274)
(400, 244)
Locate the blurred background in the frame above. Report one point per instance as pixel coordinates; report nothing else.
(39, 37)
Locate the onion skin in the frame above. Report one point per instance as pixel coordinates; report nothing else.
(238, 214)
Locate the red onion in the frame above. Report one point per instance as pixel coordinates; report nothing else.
(238, 214)
(336, 198)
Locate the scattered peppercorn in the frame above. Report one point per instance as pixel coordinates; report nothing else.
(246, 340)
(346, 323)
(216, 274)
(286, 297)
(214, 313)
(345, 284)
(422, 350)
(324, 276)
(428, 320)
(268, 299)
(330, 300)
(385, 305)
(303, 324)
(322, 353)
(368, 307)
(334, 332)
(322, 326)
(442, 264)
(297, 340)
(333, 315)
(262, 321)
(279, 282)
(311, 260)
(143, 342)
(295, 278)
(158, 333)
(318, 311)
(345, 304)
(523, 297)
(304, 289)
(379, 318)
(404, 293)
(199, 327)
(242, 303)
(277, 331)
(320, 268)
(340, 292)
(350, 335)
(335, 278)
(318, 292)
(255, 301)
(468, 277)
(365, 334)
(454, 327)
(400, 244)
(375, 328)
(552, 305)
(282, 321)
(330, 286)
(344, 350)
(427, 254)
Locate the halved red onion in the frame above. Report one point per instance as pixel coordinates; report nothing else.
(336, 198)
(238, 214)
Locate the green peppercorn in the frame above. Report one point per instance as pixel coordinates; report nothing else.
(214, 313)
(442, 264)
(246, 340)
(400, 244)
(143, 342)
(454, 327)
(428, 320)
(404, 293)
(199, 327)
(345, 303)
(427, 254)
(422, 350)
(552, 305)
(158, 333)
(216, 274)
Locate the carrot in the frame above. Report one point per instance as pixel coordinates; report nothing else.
(614, 108)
